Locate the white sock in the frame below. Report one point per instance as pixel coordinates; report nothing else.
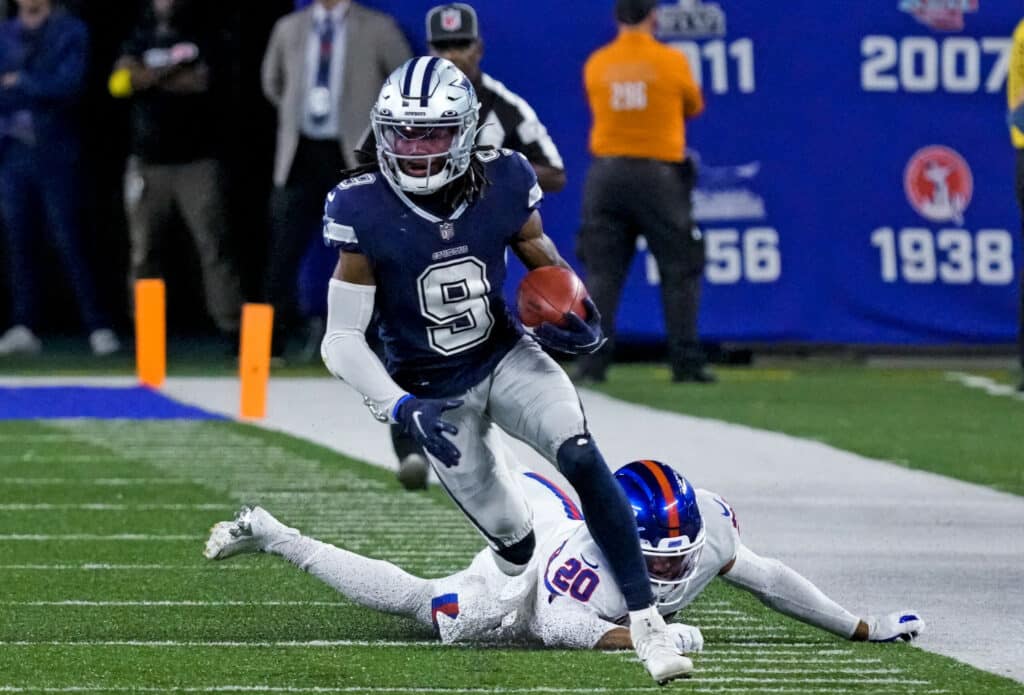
(650, 615)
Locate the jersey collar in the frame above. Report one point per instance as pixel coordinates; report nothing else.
(417, 210)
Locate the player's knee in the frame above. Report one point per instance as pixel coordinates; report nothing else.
(578, 457)
(513, 559)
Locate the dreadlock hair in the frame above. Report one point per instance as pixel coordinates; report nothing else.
(468, 188)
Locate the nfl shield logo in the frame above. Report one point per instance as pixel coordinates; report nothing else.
(447, 231)
(451, 20)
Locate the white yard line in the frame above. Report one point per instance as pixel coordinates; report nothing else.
(308, 644)
(295, 689)
(691, 686)
(89, 482)
(102, 567)
(983, 383)
(147, 537)
(103, 507)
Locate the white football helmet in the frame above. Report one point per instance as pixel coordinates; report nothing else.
(424, 121)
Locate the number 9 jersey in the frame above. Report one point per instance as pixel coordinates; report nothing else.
(444, 321)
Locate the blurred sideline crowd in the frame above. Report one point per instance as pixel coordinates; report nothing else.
(133, 143)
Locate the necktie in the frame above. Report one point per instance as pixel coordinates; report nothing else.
(321, 96)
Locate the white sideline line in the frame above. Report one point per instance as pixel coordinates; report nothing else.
(97, 537)
(101, 507)
(983, 383)
(174, 603)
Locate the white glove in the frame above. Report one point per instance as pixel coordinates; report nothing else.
(687, 638)
(904, 625)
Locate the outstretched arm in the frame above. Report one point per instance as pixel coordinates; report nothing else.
(782, 588)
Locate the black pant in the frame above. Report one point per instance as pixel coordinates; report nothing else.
(622, 199)
(296, 218)
(1019, 186)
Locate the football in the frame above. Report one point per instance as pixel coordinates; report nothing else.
(548, 293)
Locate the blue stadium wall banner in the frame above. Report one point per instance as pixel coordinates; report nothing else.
(856, 173)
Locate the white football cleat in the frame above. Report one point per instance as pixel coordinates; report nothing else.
(413, 471)
(19, 340)
(903, 625)
(656, 647)
(103, 342)
(251, 530)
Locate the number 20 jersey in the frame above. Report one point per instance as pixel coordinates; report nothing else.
(574, 570)
(444, 321)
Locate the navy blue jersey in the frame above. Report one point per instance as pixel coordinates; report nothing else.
(443, 317)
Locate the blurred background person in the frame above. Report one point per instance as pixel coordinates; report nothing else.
(322, 70)
(173, 70)
(640, 93)
(506, 120)
(43, 56)
(1015, 99)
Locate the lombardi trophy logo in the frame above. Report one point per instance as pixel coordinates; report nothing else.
(940, 15)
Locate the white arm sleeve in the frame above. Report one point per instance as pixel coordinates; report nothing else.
(346, 353)
(782, 588)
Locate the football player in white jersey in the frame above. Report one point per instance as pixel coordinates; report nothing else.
(568, 598)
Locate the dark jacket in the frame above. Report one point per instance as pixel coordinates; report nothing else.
(51, 61)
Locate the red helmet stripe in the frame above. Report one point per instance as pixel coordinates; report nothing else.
(668, 494)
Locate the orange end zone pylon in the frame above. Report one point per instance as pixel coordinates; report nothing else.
(254, 358)
(150, 332)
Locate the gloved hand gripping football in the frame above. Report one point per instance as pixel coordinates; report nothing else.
(579, 337)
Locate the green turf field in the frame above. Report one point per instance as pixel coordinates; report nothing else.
(103, 587)
(913, 417)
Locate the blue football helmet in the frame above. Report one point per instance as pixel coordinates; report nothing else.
(669, 524)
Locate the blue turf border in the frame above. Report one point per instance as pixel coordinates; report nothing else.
(99, 402)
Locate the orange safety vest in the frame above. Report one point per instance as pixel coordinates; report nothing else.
(640, 93)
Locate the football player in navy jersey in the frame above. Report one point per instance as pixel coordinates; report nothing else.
(429, 225)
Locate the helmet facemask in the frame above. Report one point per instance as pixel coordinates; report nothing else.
(671, 565)
(424, 142)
